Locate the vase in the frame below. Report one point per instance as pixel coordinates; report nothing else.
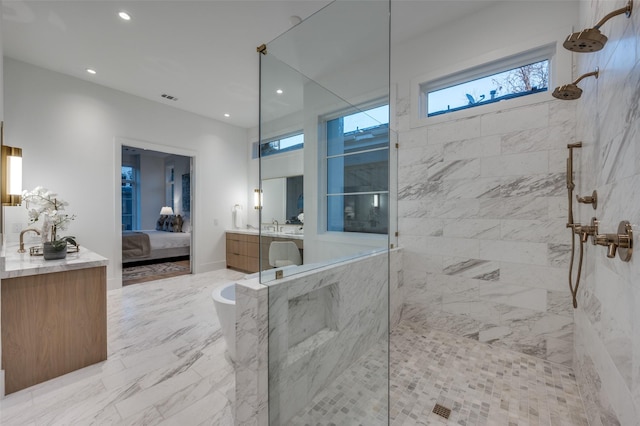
(51, 253)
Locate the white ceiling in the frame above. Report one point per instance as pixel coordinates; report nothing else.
(202, 52)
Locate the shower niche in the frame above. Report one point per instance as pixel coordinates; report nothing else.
(311, 319)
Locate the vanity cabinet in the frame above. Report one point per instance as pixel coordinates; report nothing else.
(52, 324)
(245, 251)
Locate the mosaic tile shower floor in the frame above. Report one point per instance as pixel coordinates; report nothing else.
(481, 384)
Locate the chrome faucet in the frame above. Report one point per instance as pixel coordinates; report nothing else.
(274, 221)
(21, 249)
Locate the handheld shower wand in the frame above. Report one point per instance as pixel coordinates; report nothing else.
(570, 184)
(575, 228)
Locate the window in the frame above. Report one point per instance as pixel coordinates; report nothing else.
(517, 76)
(282, 144)
(129, 198)
(357, 160)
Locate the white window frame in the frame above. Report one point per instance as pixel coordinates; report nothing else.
(560, 66)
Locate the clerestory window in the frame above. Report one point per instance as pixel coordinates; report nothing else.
(508, 78)
(286, 143)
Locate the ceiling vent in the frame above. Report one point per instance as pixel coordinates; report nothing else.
(171, 98)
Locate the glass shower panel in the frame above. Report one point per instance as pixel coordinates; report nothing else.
(327, 79)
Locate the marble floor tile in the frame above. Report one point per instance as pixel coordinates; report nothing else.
(166, 364)
(481, 384)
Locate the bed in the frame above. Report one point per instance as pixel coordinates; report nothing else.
(139, 246)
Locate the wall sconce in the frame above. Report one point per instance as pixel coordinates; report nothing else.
(166, 211)
(257, 199)
(376, 200)
(12, 169)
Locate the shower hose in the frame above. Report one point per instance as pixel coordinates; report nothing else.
(574, 290)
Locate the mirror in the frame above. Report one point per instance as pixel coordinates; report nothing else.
(283, 199)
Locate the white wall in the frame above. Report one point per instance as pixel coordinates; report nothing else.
(69, 131)
(607, 321)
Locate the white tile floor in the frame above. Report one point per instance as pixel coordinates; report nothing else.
(166, 365)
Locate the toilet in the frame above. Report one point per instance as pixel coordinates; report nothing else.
(224, 301)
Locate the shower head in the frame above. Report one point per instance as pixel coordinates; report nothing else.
(591, 39)
(568, 92)
(571, 91)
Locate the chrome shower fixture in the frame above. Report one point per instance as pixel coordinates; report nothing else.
(591, 39)
(571, 91)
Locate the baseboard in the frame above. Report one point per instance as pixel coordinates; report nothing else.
(113, 283)
(208, 267)
(1, 384)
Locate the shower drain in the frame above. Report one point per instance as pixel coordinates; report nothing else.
(442, 411)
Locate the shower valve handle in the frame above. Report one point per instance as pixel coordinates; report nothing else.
(589, 199)
(623, 241)
(587, 230)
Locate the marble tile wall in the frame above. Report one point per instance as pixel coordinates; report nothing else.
(607, 322)
(482, 212)
(252, 323)
(303, 358)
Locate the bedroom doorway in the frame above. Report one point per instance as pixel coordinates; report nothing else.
(156, 215)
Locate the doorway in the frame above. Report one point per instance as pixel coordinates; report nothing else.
(155, 199)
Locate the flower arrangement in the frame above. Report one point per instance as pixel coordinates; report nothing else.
(42, 203)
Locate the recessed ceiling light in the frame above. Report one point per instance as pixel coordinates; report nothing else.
(226, 115)
(91, 71)
(279, 92)
(124, 16)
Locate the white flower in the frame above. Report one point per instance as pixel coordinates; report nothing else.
(48, 205)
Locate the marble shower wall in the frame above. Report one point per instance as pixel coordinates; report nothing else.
(482, 213)
(319, 323)
(607, 322)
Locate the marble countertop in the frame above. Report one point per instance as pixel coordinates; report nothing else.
(283, 234)
(14, 264)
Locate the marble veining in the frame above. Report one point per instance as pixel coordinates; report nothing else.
(319, 323)
(166, 364)
(498, 271)
(474, 268)
(22, 264)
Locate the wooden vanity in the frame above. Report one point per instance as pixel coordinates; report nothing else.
(54, 316)
(245, 251)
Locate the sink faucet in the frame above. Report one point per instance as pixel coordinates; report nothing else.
(274, 221)
(21, 249)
